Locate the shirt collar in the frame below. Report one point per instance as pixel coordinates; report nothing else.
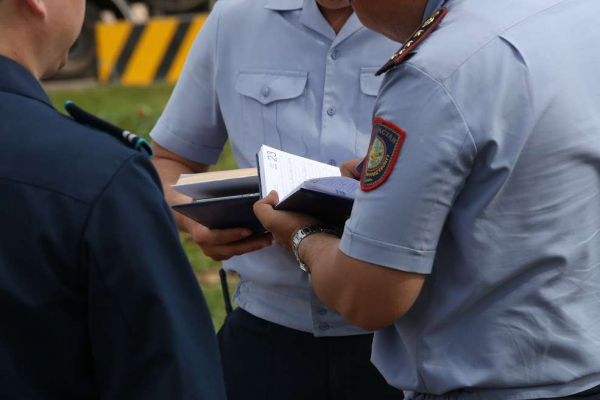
(14, 78)
(283, 5)
(350, 27)
(313, 19)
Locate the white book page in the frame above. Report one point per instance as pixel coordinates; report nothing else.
(283, 171)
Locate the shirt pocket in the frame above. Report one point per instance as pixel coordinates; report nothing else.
(273, 110)
(369, 88)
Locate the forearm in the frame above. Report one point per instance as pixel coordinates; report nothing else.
(170, 171)
(368, 295)
(170, 167)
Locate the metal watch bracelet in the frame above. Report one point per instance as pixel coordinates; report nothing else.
(306, 232)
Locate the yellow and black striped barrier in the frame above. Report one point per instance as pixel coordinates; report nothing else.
(131, 54)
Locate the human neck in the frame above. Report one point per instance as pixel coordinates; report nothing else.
(21, 57)
(336, 18)
(15, 44)
(411, 16)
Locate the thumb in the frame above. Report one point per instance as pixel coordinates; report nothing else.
(350, 168)
(266, 204)
(272, 199)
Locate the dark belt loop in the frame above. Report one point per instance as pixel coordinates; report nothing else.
(225, 287)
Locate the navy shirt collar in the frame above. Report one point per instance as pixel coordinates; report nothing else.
(14, 78)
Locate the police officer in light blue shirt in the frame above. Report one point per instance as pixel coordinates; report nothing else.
(298, 75)
(474, 243)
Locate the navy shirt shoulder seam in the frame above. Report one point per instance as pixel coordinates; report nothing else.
(105, 189)
(93, 204)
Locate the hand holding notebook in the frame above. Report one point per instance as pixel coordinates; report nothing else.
(224, 199)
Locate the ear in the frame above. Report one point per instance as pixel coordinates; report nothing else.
(37, 6)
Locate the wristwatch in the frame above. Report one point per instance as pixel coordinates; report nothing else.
(306, 232)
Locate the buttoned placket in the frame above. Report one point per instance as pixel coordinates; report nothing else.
(322, 322)
(312, 18)
(330, 120)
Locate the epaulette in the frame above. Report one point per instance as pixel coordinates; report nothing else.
(415, 40)
(126, 137)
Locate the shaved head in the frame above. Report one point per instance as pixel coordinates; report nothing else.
(39, 33)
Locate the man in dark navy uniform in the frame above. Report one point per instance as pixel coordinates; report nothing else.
(97, 298)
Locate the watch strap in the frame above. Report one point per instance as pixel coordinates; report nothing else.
(305, 232)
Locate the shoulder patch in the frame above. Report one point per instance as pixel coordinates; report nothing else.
(384, 150)
(415, 40)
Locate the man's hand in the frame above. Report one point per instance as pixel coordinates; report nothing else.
(219, 245)
(348, 168)
(283, 225)
(222, 244)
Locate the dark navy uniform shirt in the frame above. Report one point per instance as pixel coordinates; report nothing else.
(97, 298)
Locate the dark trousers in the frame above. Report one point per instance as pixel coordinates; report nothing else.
(265, 361)
(591, 394)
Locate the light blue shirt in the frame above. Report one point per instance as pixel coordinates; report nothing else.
(274, 72)
(496, 197)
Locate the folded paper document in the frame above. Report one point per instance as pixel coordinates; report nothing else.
(224, 199)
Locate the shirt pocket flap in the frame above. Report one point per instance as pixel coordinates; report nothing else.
(369, 83)
(269, 86)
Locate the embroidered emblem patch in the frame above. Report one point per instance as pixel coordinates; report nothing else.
(384, 150)
(416, 39)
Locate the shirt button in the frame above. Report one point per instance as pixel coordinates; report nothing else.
(321, 311)
(335, 54)
(332, 162)
(331, 112)
(324, 326)
(266, 91)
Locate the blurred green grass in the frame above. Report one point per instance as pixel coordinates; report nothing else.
(137, 109)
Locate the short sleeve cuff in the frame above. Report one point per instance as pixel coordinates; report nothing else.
(182, 147)
(386, 254)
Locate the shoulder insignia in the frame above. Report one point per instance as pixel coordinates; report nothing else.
(384, 150)
(126, 137)
(415, 40)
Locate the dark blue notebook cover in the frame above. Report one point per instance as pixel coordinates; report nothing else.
(224, 212)
(328, 208)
